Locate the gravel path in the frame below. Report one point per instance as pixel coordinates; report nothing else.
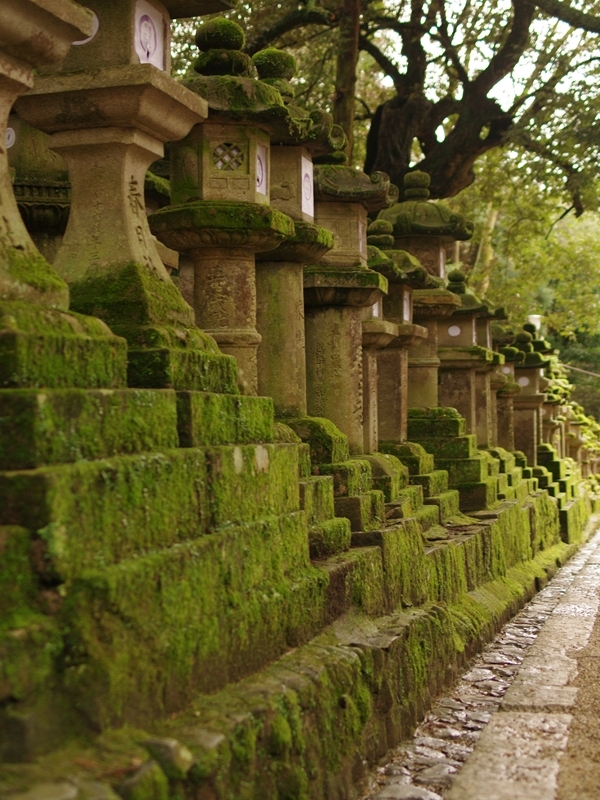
(515, 707)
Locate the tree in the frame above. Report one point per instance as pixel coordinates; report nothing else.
(465, 77)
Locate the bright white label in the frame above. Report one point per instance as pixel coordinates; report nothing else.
(406, 306)
(362, 232)
(308, 192)
(523, 381)
(376, 312)
(454, 330)
(262, 169)
(543, 412)
(149, 34)
(95, 28)
(506, 370)
(11, 137)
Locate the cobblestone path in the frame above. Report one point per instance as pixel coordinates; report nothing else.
(502, 730)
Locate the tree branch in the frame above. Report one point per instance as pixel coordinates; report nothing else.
(298, 18)
(508, 55)
(572, 16)
(386, 64)
(572, 173)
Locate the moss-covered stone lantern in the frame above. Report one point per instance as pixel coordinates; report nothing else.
(110, 109)
(529, 375)
(279, 272)
(425, 228)
(221, 213)
(335, 293)
(404, 275)
(41, 342)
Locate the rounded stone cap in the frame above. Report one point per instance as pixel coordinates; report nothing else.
(416, 184)
(220, 33)
(274, 63)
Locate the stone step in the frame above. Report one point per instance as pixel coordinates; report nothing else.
(448, 503)
(478, 495)
(329, 537)
(465, 470)
(451, 447)
(501, 485)
(100, 512)
(365, 511)
(404, 569)
(208, 419)
(316, 498)
(426, 423)
(515, 476)
(493, 464)
(433, 482)
(572, 518)
(355, 580)
(350, 478)
(401, 508)
(506, 459)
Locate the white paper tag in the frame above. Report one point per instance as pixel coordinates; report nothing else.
(308, 191)
(262, 169)
(149, 34)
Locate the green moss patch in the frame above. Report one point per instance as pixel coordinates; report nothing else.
(206, 418)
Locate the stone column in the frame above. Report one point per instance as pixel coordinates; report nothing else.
(527, 406)
(377, 334)
(280, 283)
(335, 294)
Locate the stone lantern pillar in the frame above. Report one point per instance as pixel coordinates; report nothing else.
(403, 273)
(279, 272)
(505, 398)
(109, 110)
(335, 293)
(466, 365)
(424, 229)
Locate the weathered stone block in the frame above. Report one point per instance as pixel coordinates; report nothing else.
(192, 370)
(316, 498)
(350, 478)
(411, 454)
(41, 427)
(448, 503)
(45, 347)
(433, 482)
(206, 418)
(328, 445)
(329, 537)
(451, 447)
(426, 423)
(465, 470)
(476, 495)
(365, 511)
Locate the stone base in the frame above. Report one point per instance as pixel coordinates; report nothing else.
(44, 347)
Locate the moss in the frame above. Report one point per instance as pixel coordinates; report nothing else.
(274, 63)
(328, 445)
(185, 370)
(44, 347)
(220, 32)
(329, 537)
(411, 454)
(350, 478)
(242, 98)
(32, 269)
(66, 425)
(219, 61)
(206, 418)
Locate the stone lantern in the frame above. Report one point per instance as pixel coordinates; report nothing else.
(424, 229)
(505, 395)
(110, 109)
(404, 274)
(528, 403)
(42, 344)
(221, 190)
(335, 293)
(465, 364)
(279, 272)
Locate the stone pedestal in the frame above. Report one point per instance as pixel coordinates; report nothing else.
(280, 283)
(394, 384)
(34, 35)
(280, 317)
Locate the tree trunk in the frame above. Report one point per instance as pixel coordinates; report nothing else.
(345, 78)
